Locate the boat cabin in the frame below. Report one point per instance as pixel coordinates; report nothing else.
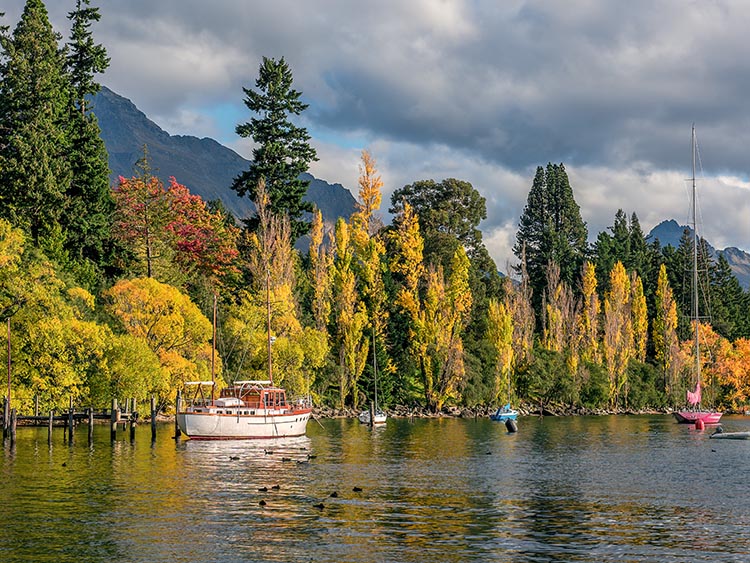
(256, 394)
(253, 395)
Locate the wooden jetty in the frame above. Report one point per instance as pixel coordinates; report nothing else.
(71, 418)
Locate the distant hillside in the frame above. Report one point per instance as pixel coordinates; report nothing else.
(206, 167)
(670, 232)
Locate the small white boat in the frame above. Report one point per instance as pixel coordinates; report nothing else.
(379, 416)
(504, 413)
(720, 434)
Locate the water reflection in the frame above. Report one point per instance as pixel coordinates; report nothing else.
(561, 489)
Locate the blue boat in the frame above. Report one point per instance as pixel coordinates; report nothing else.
(504, 413)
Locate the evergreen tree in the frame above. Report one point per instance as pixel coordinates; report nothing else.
(728, 301)
(34, 169)
(551, 230)
(282, 152)
(90, 205)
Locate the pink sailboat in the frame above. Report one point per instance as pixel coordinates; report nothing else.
(691, 416)
(694, 412)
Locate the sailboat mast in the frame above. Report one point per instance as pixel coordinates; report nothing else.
(375, 367)
(213, 354)
(695, 265)
(268, 322)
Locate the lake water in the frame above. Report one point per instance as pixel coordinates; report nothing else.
(628, 488)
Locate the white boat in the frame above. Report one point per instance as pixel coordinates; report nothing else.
(244, 410)
(378, 416)
(720, 434)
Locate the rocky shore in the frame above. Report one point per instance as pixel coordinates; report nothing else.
(403, 411)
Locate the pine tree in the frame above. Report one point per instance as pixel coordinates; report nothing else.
(89, 206)
(282, 152)
(34, 95)
(551, 230)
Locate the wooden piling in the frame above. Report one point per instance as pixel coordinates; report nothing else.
(6, 417)
(36, 405)
(153, 419)
(49, 427)
(113, 424)
(132, 421)
(71, 426)
(91, 426)
(12, 427)
(177, 409)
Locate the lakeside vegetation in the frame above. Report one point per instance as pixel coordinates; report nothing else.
(109, 289)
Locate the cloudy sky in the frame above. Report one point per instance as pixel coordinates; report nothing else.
(479, 90)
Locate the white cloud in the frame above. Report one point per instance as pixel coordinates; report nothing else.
(474, 89)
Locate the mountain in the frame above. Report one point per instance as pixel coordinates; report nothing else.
(670, 232)
(206, 167)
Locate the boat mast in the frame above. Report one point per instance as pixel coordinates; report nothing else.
(375, 367)
(695, 265)
(268, 322)
(213, 354)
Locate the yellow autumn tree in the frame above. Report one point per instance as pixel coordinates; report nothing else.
(408, 260)
(320, 273)
(664, 333)
(561, 331)
(617, 344)
(500, 335)
(171, 325)
(271, 263)
(369, 248)
(407, 266)
(639, 314)
(351, 318)
(733, 372)
(588, 320)
(269, 309)
(439, 342)
(522, 311)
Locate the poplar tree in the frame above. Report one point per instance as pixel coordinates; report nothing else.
(87, 214)
(589, 315)
(320, 273)
(618, 333)
(406, 263)
(369, 249)
(664, 332)
(351, 317)
(34, 100)
(639, 317)
(500, 336)
(282, 151)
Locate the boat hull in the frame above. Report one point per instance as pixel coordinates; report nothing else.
(502, 416)
(731, 435)
(213, 426)
(380, 417)
(691, 417)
